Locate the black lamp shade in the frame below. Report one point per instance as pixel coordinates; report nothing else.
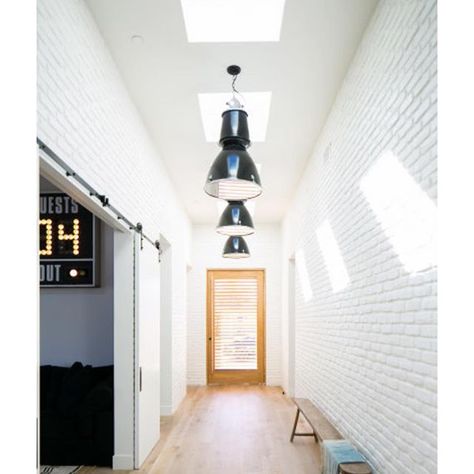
(233, 175)
(234, 129)
(235, 220)
(235, 247)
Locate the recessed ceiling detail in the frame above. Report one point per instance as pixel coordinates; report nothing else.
(220, 21)
(257, 104)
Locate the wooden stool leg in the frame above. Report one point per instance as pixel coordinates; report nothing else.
(294, 426)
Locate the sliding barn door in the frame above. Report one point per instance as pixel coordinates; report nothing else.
(147, 367)
(235, 326)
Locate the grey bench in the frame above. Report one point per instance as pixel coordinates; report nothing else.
(323, 431)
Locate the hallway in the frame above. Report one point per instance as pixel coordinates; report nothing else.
(209, 217)
(239, 429)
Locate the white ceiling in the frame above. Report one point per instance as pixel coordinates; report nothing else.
(165, 73)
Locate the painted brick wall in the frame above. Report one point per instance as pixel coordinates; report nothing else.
(86, 116)
(265, 248)
(367, 354)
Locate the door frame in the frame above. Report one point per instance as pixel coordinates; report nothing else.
(227, 378)
(291, 329)
(166, 321)
(124, 371)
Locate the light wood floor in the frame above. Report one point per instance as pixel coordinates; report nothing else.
(239, 429)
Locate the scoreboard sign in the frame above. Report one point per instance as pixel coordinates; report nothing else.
(68, 242)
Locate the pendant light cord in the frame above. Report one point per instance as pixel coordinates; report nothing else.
(235, 91)
(233, 84)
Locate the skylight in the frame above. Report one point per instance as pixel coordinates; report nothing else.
(211, 21)
(332, 257)
(257, 105)
(303, 275)
(405, 212)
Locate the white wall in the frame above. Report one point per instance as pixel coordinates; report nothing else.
(77, 324)
(86, 116)
(366, 354)
(207, 245)
(125, 383)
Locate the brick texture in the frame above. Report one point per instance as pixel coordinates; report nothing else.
(86, 116)
(366, 355)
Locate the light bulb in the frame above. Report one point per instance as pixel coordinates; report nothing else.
(234, 103)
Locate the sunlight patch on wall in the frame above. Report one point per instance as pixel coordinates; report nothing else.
(303, 275)
(405, 212)
(332, 257)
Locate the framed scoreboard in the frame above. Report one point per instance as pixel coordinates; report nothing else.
(68, 243)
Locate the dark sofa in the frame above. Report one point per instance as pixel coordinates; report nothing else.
(76, 415)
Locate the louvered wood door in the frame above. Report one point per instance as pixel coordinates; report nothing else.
(235, 326)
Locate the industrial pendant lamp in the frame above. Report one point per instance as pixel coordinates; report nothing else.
(233, 176)
(235, 247)
(235, 220)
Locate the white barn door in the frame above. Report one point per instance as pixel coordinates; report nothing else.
(147, 367)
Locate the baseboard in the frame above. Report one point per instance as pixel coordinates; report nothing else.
(166, 410)
(122, 461)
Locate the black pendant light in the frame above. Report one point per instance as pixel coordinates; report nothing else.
(234, 128)
(233, 176)
(235, 247)
(235, 220)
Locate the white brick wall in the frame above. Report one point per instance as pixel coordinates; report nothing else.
(207, 245)
(86, 116)
(367, 354)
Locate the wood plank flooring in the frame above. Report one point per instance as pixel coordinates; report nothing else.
(231, 429)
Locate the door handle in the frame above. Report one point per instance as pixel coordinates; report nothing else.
(140, 379)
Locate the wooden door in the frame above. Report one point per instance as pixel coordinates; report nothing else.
(235, 326)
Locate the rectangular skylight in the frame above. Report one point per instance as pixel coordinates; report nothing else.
(219, 21)
(332, 257)
(405, 212)
(257, 105)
